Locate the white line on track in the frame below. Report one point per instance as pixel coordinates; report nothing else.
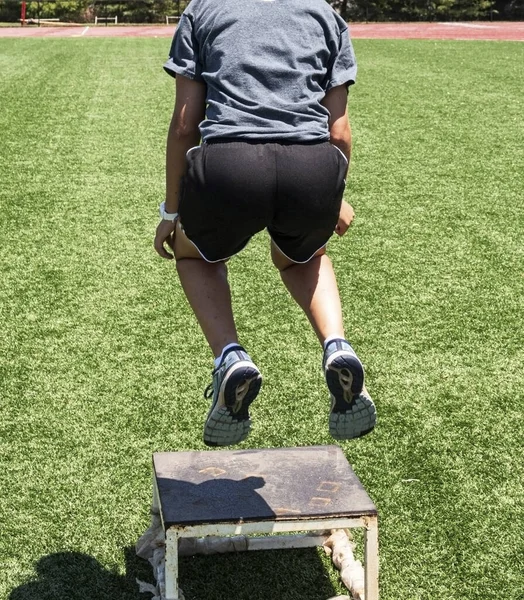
(470, 25)
(84, 31)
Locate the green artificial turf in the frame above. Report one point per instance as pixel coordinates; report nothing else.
(102, 363)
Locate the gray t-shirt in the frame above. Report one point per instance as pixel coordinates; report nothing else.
(267, 65)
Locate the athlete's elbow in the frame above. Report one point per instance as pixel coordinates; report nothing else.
(340, 136)
(340, 132)
(183, 130)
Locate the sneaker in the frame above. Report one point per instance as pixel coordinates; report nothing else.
(236, 383)
(353, 413)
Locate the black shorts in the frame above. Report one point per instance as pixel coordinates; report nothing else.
(234, 189)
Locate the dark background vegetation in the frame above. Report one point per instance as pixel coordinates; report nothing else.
(155, 11)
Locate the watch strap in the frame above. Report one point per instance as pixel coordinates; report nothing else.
(165, 216)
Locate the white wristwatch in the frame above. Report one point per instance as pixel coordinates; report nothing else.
(165, 216)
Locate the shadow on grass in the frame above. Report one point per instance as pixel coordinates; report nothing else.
(77, 576)
(285, 574)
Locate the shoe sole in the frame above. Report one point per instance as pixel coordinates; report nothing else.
(228, 421)
(344, 378)
(358, 420)
(353, 413)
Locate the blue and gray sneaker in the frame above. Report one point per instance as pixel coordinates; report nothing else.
(236, 383)
(353, 413)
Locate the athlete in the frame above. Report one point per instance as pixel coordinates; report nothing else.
(260, 139)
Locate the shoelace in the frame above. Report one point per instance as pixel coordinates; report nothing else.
(208, 392)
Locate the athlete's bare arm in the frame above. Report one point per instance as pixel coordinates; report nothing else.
(190, 106)
(335, 101)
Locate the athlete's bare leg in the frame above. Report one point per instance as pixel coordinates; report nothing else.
(314, 288)
(207, 290)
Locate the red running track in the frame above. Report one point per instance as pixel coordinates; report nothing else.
(474, 30)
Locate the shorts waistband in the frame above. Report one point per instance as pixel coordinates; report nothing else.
(256, 141)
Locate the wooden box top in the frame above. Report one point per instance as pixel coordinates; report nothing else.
(239, 486)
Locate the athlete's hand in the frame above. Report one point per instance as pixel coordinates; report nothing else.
(347, 214)
(165, 234)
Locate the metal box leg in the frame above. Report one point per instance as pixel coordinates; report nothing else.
(371, 559)
(171, 569)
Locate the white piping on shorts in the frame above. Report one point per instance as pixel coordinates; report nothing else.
(297, 262)
(191, 149)
(345, 157)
